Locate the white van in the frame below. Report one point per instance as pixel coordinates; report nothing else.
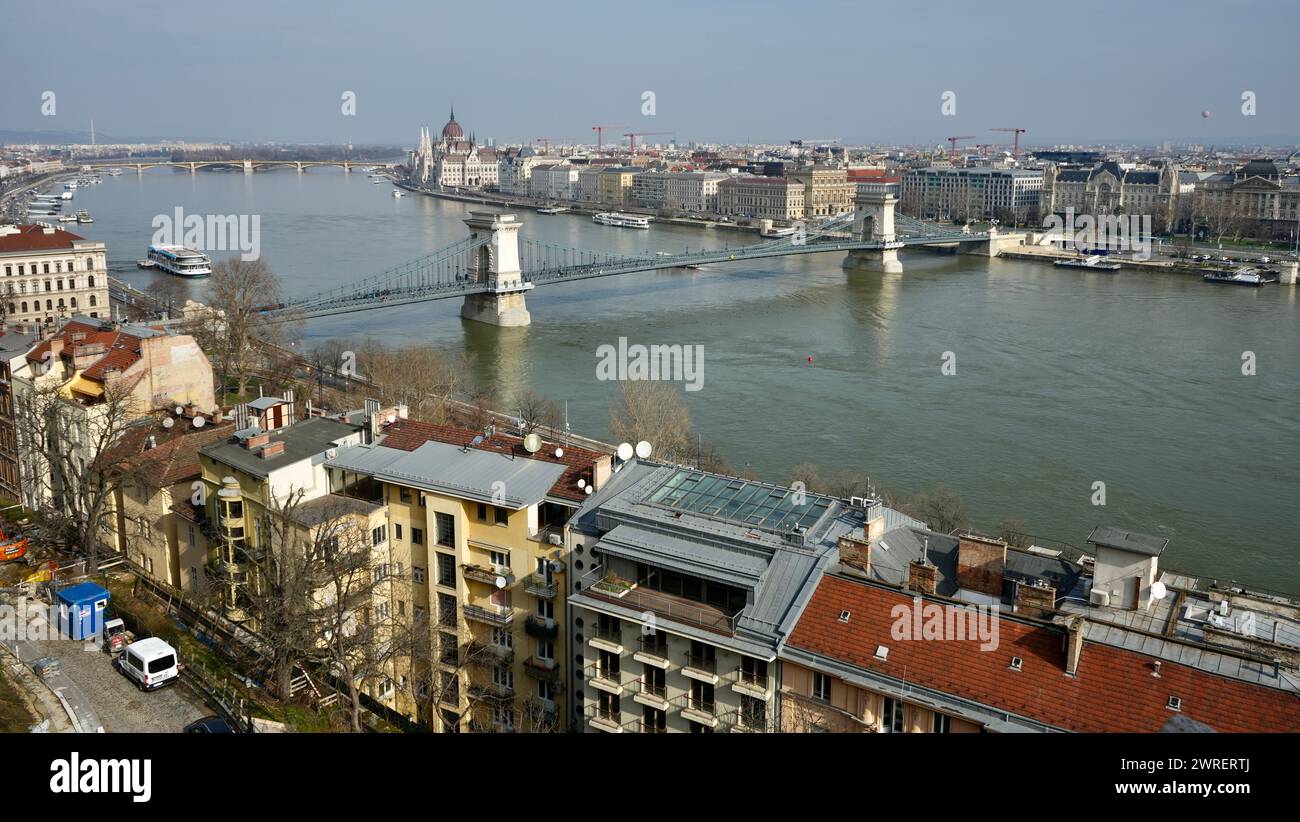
(150, 662)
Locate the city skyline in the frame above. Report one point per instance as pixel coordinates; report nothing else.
(761, 73)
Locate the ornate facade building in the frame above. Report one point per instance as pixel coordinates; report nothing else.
(1255, 200)
(1112, 188)
(454, 161)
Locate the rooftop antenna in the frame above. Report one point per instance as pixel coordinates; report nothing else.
(566, 422)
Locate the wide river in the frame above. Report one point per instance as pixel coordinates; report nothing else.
(1062, 379)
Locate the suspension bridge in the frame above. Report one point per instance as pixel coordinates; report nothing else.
(493, 268)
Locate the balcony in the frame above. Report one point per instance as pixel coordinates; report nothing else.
(541, 627)
(545, 670)
(652, 651)
(738, 722)
(491, 691)
(702, 668)
(600, 719)
(697, 710)
(751, 683)
(638, 725)
(617, 591)
(607, 638)
(647, 693)
(539, 586)
(488, 654)
(496, 615)
(603, 679)
(484, 574)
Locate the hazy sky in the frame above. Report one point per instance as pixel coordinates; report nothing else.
(721, 71)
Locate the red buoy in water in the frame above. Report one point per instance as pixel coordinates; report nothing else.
(810, 359)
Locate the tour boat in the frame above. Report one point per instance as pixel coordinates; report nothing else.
(1092, 261)
(181, 261)
(1254, 277)
(552, 210)
(621, 220)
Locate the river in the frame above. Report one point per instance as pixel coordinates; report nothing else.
(1061, 379)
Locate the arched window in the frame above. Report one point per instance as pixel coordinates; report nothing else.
(90, 281)
(90, 263)
(73, 302)
(92, 300)
(49, 305)
(61, 305)
(13, 309)
(24, 308)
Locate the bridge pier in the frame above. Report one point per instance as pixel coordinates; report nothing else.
(299, 166)
(248, 166)
(193, 168)
(497, 265)
(873, 221)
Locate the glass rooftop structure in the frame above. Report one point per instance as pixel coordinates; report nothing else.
(758, 504)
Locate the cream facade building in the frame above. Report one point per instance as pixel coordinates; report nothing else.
(51, 274)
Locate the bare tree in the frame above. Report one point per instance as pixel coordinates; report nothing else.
(535, 411)
(236, 329)
(653, 411)
(66, 445)
(417, 375)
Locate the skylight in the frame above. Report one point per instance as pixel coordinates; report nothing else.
(742, 501)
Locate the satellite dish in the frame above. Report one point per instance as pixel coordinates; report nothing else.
(532, 443)
(643, 449)
(198, 422)
(625, 451)
(1158, 590)
(168, 422)
(179, 410)
(559, 452)
(589, 489)
(581, 482)
(501, 582)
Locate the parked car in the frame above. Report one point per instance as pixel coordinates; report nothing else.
(151, 663)
(209, 725)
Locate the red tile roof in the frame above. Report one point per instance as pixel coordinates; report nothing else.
(175, 455)
(408, 435)
(33, 238)
(121, 350)
(1114, 689)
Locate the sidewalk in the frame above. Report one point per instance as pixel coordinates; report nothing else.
(46, 702)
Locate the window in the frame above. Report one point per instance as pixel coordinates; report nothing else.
(753, 712)
(502, 515)
(404, 495)
(821, 688)
(653, 681)
(653, 720)
(942, 724)
(417, 574)
(545, 609)
(446, 570)
(417, 536)
(448, 652)
(446, 525)
(502, 638)
(446, 609)
(608, 707)
(503, 676)
(482, 512)
(545, 690)
(397, 531)
(545, 649)
(891, 718)
(501, 558)
(379, 535)
(753, 671)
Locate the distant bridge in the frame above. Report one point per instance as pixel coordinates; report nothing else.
(248, 166)
(493, 267)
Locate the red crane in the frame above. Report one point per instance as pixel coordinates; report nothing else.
(632, 135)
(600, 134)
(546, 142)
(952, 141)
(1018, 131)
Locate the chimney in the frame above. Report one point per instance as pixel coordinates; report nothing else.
(855, 554)
(922, 576)
(257, 441)
(1074, 630)
(272, 449)
(981, 563)
(1035, 600)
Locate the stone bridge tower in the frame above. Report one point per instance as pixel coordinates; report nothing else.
(873, 221)
(496, 265)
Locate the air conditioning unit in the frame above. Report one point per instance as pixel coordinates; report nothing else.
(1099, 597)
(555, 567)
(555, 539)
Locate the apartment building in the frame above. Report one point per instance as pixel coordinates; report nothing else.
(1007, 194)
(104, 375)
(827, 191)
(156, 524)
(771, 198)
(13, 351)
(481, 516)
(614, 184)
(689, 191)
(51, 274)
(556, 181)
(920, 632)
(686, 585)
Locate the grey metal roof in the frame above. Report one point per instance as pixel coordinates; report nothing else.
(476, 474)
(302, 440)
(1112, 537)
(263, 403)
(704, 560)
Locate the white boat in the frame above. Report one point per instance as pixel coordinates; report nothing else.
(179, 260)
(83, 216)
(397, 193)
(1092, 261)
(115, 172)
(67, 218)
(552, 210)
(781, 232)
(67, 195)
(1242, 276)
(621, 220)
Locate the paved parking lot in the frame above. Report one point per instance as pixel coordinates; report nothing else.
(119, 706)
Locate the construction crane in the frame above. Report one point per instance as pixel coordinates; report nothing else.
(546, 142)
(600, 134)
(1015, 151)
(984, 148)
(632, 135)
(952, 142)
